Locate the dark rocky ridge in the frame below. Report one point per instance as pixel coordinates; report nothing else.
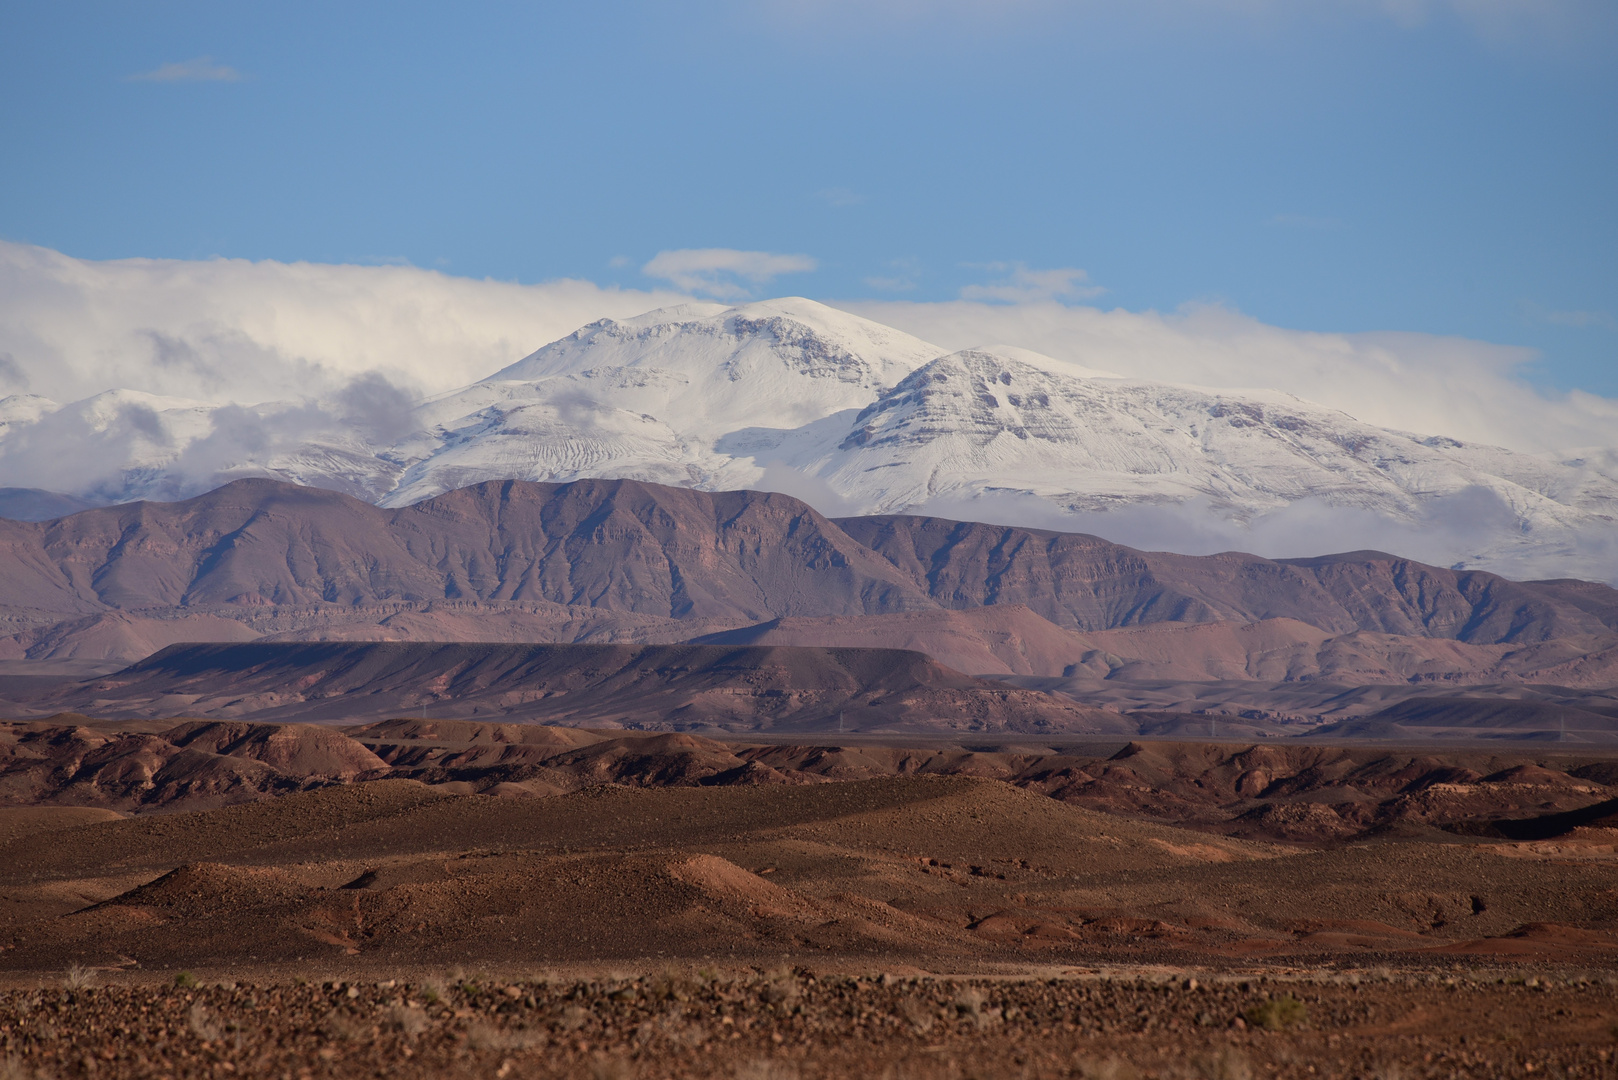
(655, 687)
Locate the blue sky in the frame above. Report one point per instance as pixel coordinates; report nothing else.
(1448, 166)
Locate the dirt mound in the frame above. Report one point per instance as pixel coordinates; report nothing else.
(17, 822)
(294, 749)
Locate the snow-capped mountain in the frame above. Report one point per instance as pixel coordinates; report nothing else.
(717, 397)
(675, 396)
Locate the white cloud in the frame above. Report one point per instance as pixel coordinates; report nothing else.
(201, 69)
(1464, 389)
(1024, 285)
(713, 271)
(230, 330)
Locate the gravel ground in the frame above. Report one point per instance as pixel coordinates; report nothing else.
(794, 1025)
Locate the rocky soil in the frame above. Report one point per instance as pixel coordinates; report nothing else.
(788, 1023)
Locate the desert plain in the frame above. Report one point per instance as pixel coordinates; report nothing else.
(455, 898)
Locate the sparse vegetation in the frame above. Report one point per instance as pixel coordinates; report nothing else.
(1278, 1013)
(1225, 1063)
(202, 1025)
(919, 1012)
(766, 1069)
(1111, 1068)
(184, 981)
(78, 977)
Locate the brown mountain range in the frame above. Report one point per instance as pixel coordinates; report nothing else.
(618, 561)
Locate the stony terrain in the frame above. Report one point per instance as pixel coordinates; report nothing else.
(1306, 794)
(807, 1023)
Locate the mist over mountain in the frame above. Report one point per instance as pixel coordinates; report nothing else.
(858, 418)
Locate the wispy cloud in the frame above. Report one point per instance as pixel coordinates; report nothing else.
(232, 330)
(1581, 320)
(719, 272)
(839, 197)
(1464, 389)
(200, 69)
(1305, 221)
(1023, 284)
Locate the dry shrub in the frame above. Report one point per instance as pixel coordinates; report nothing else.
(1223, 1064)
(340, 1027)
(672, 985)
(408, 1019)
(1112, 1068)
(919, 1012)
(201, 1025)
(971, 1002)
(603, 1067)
(1278, 1013)
(13, 1067)
(78, 977)
(781, 987)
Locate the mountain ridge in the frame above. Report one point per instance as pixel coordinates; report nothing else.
(602, 561)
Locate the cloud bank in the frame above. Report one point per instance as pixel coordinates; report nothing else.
(230, 330)
(1422, 383)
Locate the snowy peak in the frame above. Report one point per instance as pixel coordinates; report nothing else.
(665, 397)
(769, 339)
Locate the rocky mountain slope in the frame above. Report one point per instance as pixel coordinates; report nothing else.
(620, 561)
(792, 392)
